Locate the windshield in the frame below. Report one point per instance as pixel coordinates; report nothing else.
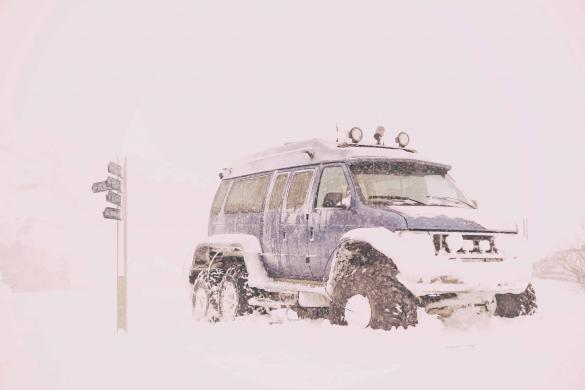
(381, 183)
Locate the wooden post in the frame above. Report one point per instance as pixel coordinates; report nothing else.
(122, 263)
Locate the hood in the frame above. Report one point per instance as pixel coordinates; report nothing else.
(442, 218)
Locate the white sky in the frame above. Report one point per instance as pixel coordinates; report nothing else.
(496, 89)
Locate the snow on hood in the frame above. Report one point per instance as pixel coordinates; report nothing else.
(444, 218)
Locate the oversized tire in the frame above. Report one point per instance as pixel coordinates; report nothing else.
(234, 293)
(369, 295)
(514, 305)
(205, 295)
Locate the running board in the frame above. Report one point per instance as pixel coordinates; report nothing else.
(284, 285)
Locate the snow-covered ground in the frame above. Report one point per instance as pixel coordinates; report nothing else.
(66, 340)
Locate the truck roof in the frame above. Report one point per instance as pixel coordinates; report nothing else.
(316, 151)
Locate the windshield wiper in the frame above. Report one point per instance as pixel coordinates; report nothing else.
(395, 197)
(448, 198)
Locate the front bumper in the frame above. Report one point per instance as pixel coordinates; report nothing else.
(444, 275)
(422, 289)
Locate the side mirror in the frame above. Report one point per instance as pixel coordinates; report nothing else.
(333, 200)
(346, 201)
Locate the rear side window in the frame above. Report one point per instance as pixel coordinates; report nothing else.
(277, 192)
(219, 197)
(247, 195)
(297, 193)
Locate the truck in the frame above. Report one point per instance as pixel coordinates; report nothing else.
(362, 234)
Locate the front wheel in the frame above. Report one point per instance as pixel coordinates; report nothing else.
(369, 296)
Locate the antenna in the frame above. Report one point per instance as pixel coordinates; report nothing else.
(337, 136)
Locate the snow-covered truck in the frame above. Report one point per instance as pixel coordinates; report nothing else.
(360, 234)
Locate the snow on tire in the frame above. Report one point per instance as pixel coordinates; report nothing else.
(370, 296)
(514, 305)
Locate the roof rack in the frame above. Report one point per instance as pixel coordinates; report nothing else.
(347, 144)
(311, 152)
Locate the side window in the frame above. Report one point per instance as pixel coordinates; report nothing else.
(333, 189)
(247, 195)
(277, 192)
(219, 197)
(297, 193)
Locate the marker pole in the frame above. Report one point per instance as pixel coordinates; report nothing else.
(122, 312)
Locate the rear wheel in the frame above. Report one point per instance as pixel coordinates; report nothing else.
(234, 293)
(514, 305)
(370, 296)
(205, 295)
(200, 300)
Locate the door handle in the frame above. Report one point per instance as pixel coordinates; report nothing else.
(311, 233)
(284, 234)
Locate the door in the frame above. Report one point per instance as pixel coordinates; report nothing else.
(294, 225)
(271, 235)
(331, 217)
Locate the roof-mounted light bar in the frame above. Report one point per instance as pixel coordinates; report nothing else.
(355, 135)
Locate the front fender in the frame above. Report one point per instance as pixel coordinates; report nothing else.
(407, 251)
(423, 272)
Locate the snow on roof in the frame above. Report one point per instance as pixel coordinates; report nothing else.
(314, 151)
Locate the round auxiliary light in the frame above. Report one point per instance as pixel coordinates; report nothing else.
(454, 242)
(402, 139)
(356, 134)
